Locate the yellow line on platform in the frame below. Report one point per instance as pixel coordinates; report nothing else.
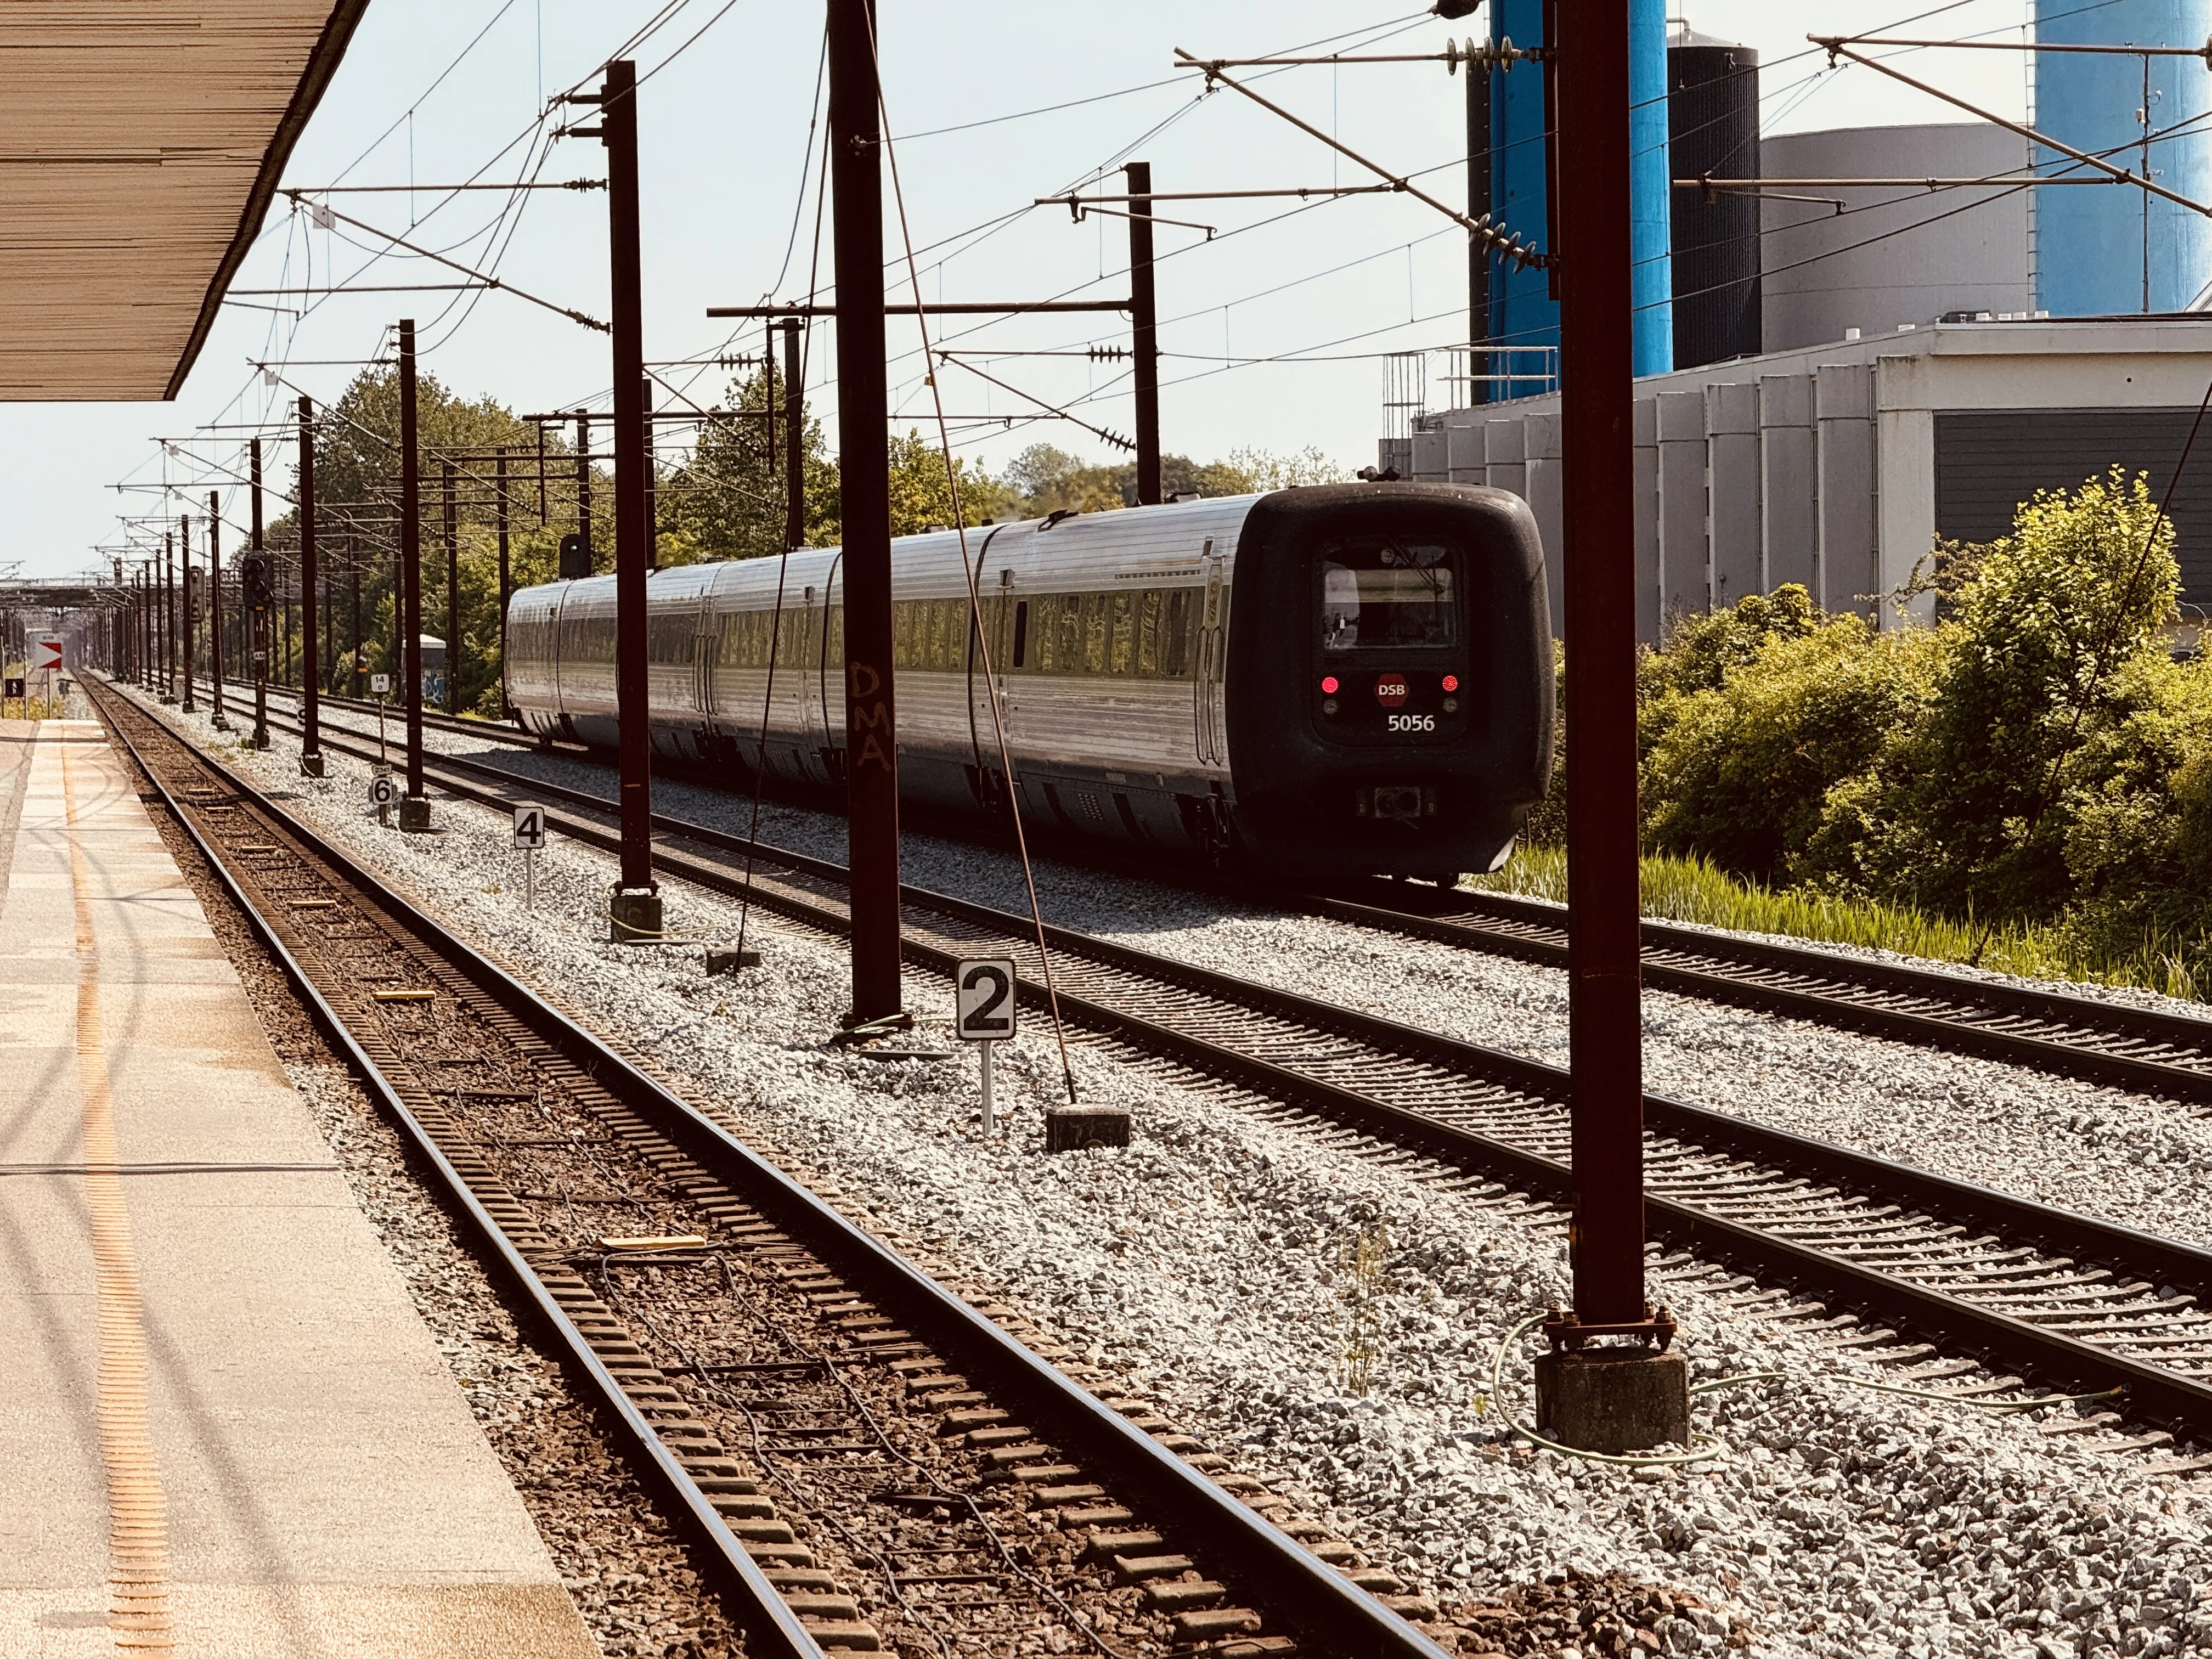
(138, 1525)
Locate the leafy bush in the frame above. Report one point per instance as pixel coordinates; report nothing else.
(2037, 758)
(1753, 717)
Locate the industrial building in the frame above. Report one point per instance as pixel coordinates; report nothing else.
(1853, 343)
(1838, 466)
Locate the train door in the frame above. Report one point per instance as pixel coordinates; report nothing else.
(828, 673)
(706, 646)
(1206, 682)
(995, 603)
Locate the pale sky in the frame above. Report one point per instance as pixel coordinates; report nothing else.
(1332, 285)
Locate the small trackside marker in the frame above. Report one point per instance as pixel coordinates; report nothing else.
(314, 904)
(261, 847)
(402, 996)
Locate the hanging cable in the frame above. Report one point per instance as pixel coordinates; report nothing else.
(975, 603)
(798, 482)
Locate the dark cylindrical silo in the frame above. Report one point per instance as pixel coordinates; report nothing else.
(1712, 124)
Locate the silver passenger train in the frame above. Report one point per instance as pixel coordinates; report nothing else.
(1327, 681)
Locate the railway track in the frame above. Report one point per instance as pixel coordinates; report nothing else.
(2060, 1296)
(2162, 1055)
(875, 1463)
(2145, 1052)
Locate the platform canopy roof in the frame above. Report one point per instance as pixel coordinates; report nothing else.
(141, 142)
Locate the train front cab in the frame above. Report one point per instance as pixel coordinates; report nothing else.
(1390, 688)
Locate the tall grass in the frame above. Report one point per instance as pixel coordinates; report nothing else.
(1691, 890)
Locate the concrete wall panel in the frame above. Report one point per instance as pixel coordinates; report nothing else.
(1843, 412)
(1546, 500)
(1789, 481)
(1645, 428)
(1463, 455)
(1684, 552)
(1503, 445)
(1732, 466)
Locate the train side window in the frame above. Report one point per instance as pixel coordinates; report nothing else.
(1148, 634)
(1068, 658)
(1175, 633)
(951, 634)
(1094, 632)
(1122, 633)
(1021, 630)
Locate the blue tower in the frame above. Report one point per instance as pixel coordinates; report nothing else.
(2117, 248)
(1522, 310)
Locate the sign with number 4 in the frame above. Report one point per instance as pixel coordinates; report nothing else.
(983, 1005)
(529, 828)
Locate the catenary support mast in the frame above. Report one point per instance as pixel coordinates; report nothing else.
(414, 804)
(1145, 332)
(855, 144)
(311, 681)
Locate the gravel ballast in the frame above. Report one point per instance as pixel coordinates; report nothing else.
(1245, 1273)
(630, 1578)
(2143, 1162)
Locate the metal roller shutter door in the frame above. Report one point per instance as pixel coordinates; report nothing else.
(1987, 462)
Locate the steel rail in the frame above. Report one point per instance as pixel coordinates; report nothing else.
(2047, 1030)
(768, 1618)
(1290, 1579)
(2156, 1392)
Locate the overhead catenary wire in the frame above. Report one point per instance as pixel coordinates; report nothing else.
(980, 633)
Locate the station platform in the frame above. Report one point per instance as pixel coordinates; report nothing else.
(224, 1430)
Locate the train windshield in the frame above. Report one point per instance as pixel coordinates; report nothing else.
(1380, 593)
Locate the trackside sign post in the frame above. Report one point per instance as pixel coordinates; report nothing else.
(382, 792)
(983, 1005)
(529, 837)
(380, 684)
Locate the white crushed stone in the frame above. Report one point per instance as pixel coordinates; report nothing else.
(2103, 1152)
(1212, 1263)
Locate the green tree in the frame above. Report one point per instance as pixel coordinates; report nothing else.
(2045, 677)
(1044, 479)
(727, 501)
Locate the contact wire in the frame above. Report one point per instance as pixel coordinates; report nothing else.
(975, 602)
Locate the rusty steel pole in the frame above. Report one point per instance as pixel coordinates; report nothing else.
(168, 618)
(506, 585)
(1144, 332)
(262, 632)
(1605, 1015)
(218, 719)
(415, 806)
(794, 438)
(184, 550)
(871, 819)
(584, 485)
(652, 464)
(633, 534)
(453, 592)
(310, 682)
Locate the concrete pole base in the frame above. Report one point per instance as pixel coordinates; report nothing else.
(635, 918)
(1613, 1400)
(414, 813)
(311, 766)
